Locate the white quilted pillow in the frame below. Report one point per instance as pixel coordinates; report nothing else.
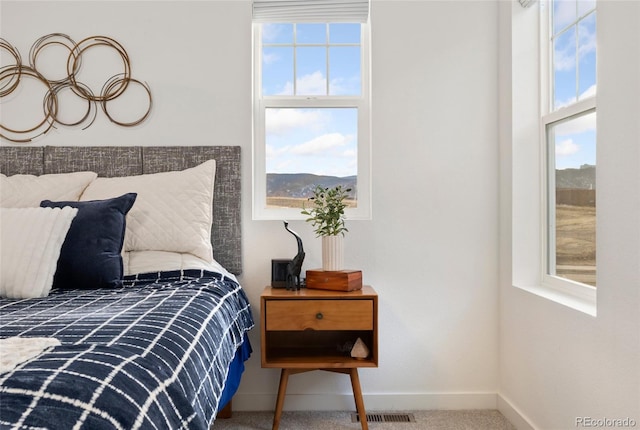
(30, 243)
(27, 191)
(173, 210)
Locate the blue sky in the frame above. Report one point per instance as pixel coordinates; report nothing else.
(311, 60)
(574, 74)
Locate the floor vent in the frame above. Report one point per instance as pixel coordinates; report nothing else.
(385, 418)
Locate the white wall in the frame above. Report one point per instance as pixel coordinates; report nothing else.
(431, 250)
(558, 364)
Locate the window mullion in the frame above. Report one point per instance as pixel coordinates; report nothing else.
(577, 36)
(295, 59)
(577, 59)
(326, 47)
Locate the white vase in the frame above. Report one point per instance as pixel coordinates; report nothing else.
(332, 253)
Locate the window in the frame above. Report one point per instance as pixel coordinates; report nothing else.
(569, 133)
(551, 129)
(311, 115)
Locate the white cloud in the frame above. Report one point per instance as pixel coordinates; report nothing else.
(564, 59)
(321, 144)
(329, 154)
(565, 103)
(287, 89)
(282, 121)
(345, 86)
(271, 32)
(587, 43)
(270, 58)
(589, 92)
(284, 165)
(350, 153)
(566, 147)
(271, 151)
(313, 84)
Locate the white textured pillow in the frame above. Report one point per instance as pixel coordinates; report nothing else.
(27, 191)
(173, 210)
(30, 243)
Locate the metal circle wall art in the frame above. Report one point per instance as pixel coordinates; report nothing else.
(73, 65)
(116, 82)
(67, 81)
(46, 43)
(24, 135)
(10, 73)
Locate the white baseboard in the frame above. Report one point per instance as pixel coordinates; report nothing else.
(372, 402)
(513, 414)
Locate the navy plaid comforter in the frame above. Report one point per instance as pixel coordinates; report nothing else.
(151, 355)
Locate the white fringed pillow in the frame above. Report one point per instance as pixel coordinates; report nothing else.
(30, 244)
(173, 211)
(27, 191)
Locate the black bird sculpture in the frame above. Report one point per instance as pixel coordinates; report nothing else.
(295, 266)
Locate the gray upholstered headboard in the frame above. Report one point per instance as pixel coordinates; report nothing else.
(112, 161)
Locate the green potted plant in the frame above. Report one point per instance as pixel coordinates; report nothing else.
(326, 216)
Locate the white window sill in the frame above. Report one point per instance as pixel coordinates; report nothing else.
(583, 300)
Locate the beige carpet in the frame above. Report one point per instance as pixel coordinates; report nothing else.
(432, 420)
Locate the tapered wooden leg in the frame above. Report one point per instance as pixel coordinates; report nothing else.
(357, 394)
(282, 390)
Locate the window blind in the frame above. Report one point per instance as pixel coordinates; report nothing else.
(310, 10)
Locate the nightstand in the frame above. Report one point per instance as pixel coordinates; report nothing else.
(311, 329)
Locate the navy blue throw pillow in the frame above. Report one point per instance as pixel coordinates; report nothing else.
(91, 252)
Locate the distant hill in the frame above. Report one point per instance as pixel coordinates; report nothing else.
(301, 185)
(582, 178)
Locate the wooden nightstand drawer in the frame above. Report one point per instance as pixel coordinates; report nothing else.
(298, 315)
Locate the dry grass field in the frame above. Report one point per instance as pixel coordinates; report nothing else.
(576, 243)
(291, 202)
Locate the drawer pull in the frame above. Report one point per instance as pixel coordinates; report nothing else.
(319, 316)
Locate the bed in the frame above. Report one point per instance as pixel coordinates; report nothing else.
(130, 315)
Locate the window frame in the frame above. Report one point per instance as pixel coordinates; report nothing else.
(261, 103)
(585, 294)
(525, 132)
